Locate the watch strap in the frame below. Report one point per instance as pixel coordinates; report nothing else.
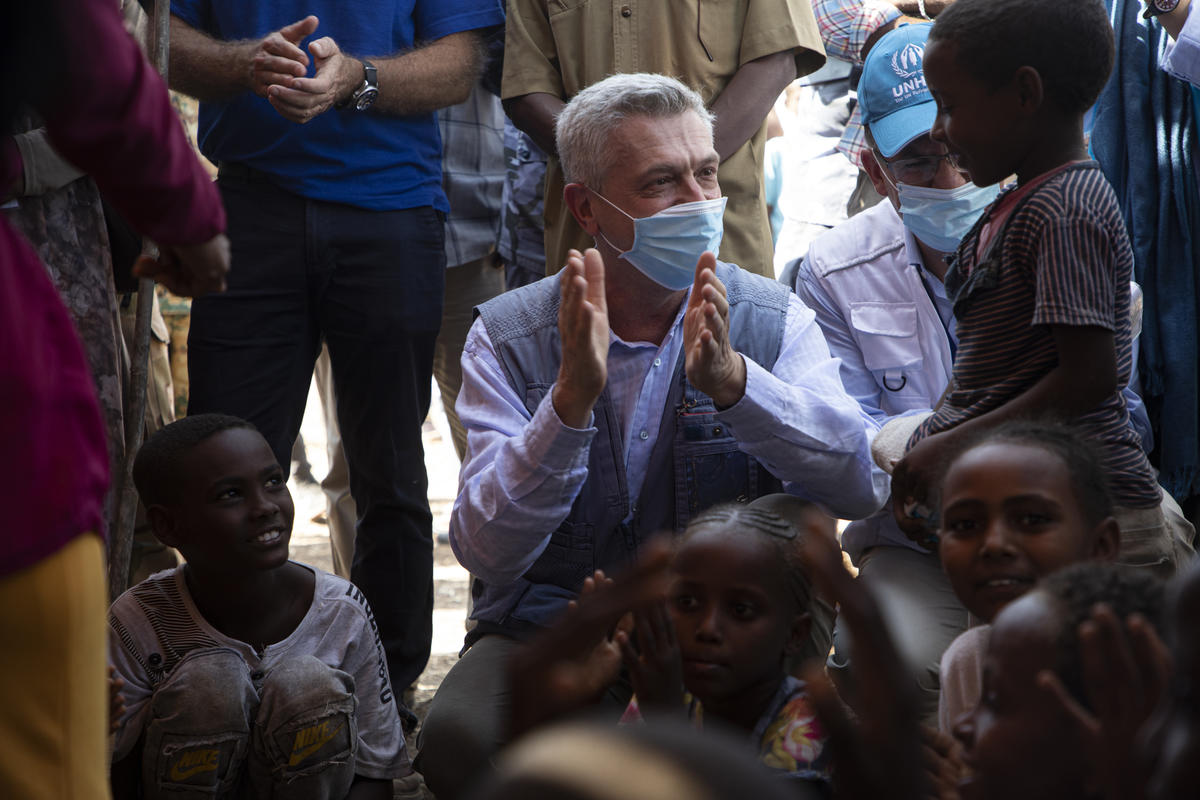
(1156, 7)
(370, 82)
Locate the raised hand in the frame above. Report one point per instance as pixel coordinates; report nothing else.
(879, 754)
(589, 673)
(1126, 668)
(302, 99)
(569, 664)
(583, 331)
(944, 767)
(712, 365)
(655, 666)
(278, 58)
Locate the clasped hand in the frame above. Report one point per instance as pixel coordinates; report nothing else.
(278, 68)
(188, 270)
(913, 479)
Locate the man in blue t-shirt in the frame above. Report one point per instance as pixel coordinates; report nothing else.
(320, 118)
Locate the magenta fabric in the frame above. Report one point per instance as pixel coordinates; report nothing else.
(51, 434)
(117, 124)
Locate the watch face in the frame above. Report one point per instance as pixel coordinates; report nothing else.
(366, 98)
(1165, 6)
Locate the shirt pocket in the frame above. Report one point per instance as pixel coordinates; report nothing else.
(887, 338)
(556, 7)
(713, 468)
(568, 558)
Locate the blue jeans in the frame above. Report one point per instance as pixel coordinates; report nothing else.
(370, 284)
(216, 731)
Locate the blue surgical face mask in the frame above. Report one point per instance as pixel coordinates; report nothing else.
(667, 245)
(941, 217)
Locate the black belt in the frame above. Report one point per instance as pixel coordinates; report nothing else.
(231, 170)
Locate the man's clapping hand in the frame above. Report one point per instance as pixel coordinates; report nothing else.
(712, 365)
(583, 330)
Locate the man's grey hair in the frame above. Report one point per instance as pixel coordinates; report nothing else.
(586, 124)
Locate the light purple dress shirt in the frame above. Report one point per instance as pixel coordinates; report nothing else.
(1183, 59)
(523, 472)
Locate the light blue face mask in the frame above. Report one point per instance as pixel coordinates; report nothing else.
(941, 217)
(667, 245)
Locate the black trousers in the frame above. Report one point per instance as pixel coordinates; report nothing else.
(370, 284)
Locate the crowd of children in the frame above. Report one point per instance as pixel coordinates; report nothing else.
(243, 670)
(1065, 677)
(242, 673)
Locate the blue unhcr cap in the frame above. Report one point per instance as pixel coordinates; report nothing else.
(896, 104)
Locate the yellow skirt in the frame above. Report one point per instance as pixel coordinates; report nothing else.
(53, 677)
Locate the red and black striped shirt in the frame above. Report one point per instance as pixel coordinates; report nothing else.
(1061, 258)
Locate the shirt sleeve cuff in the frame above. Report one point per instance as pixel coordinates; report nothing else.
(1182, 58)
(752, 416)
(554, 445)
(467, 21)
(188, 11)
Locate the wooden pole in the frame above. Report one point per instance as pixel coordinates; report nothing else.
(120, 548)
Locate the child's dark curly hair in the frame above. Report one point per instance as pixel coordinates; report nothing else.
(1078, 588)
(1070, 44)
(1088, 479)
(155, 469)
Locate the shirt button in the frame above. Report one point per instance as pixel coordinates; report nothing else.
(658, 362)
(626, 11)
(643, 436)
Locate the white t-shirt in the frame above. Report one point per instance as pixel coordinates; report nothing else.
(155, 624)
(962, 676)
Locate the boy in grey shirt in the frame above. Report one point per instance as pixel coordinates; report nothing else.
(245, 674)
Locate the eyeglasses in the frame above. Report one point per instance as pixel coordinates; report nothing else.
(920, 170)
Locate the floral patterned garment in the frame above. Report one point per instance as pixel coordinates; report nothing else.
(66, 228)
(788, 736)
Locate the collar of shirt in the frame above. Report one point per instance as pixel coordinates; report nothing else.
(933, 287)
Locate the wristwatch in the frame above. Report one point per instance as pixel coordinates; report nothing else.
(366, 93)
(1156, 7)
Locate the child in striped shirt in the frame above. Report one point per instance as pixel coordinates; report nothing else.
(1041, 282)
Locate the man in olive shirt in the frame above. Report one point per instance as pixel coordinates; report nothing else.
(738, 55)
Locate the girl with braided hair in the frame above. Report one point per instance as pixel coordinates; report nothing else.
(737, 615)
